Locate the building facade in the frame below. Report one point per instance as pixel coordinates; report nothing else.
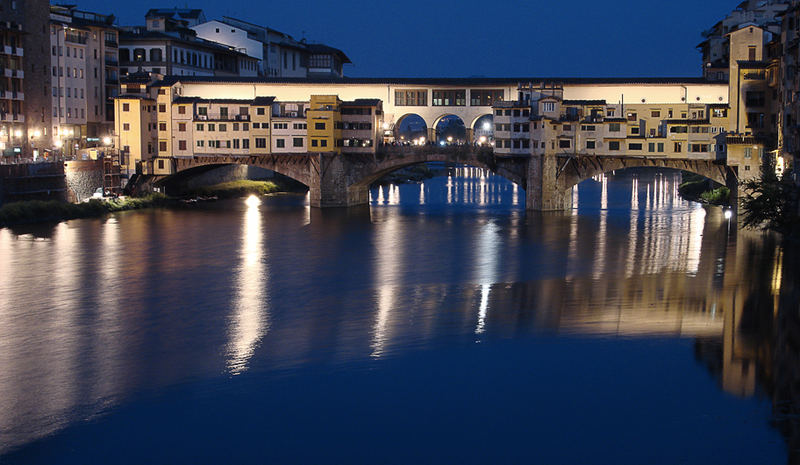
(84, 68)
(25, 121)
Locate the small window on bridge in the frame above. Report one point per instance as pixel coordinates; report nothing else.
(564, 143)
(590, 144)
(613, 145)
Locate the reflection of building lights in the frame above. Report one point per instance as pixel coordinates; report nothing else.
(37, 133)
(441, 143)
(385, 125)
(57, 144)
(106, 140)
(449, 138)
(487, 126)
(728, 214)
(482, 139)
(421, 140)
(18, 133)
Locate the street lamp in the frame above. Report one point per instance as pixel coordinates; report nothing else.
(106, 141)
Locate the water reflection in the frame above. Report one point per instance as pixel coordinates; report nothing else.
(631, 262)
(249, 321)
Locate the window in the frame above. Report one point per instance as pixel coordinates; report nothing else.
(200, 126)
(202, 111)
(181, 109)
(314, 142)
(634, 130)
(588, 128)
(162, 126)
(548, 107)
(651, 147)
(748, 152)
(323, 142)
(259, 111)
(636, 146)
(590, 144)
(564, 143)
(162, 146)
(223, 127)
(754, 99)
(412, 97)
(448, 98)
(319, 126)
(655, 114)
(257, 125)
(223, 112)
(261, 143)
(485, 98)
(181, 145)
(200, 143)
(212, 127)
(126, 126)
(126, 107)
(677, 147)
(181, 127)
(245, 143)
(235, 126)
(610, 113)
(751, 53)
(613, 145)
(614, 127)
(297, 142)
(280, 143)
(162, 108)
(660, 147)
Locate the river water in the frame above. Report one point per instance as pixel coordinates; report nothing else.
(442, 324)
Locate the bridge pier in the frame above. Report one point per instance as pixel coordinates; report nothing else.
(331, 183)
(544, 192)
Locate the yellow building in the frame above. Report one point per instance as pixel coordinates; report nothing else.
(324, 124)
(134, 129)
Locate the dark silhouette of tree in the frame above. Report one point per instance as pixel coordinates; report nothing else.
(771, 202)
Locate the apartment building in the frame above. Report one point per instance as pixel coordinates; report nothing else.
(167, 45)
(289, 127)
(278, 53)
(789, 87)
(84, 68)
(135, 124)
(715, 47)
(12, 74)
(25, 79)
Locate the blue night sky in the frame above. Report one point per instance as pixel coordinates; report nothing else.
(491, 38)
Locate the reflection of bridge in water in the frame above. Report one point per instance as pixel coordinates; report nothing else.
(685, 275)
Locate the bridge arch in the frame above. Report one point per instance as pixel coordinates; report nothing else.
(410, 127)
(450, 129)
(293, 166)
(483, 127)
(511, 170)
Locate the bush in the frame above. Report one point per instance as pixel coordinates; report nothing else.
(237, 189)
(32, 211)
(720, 196)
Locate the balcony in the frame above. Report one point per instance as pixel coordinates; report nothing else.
(75, 38)
(13, 73)
(12, 118)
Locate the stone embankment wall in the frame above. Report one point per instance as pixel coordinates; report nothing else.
(32, 181)
(83, 178)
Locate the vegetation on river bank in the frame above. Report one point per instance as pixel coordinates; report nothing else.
(772, 203)
(237, 189)
(33, 211)
(700, 189)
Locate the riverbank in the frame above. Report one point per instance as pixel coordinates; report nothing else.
(699, 189)
(54, 211)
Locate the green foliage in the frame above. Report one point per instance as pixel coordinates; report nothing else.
(771, 203)
(33, 211)
(719, 196)
(237, 189)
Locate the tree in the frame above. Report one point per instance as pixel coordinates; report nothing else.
(771, 202)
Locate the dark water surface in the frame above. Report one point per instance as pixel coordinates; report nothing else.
(443, 324)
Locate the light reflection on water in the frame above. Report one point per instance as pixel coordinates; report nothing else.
(146, 301)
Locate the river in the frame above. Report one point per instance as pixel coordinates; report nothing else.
(441, 324)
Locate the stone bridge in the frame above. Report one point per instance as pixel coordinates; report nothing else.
(341, 180)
